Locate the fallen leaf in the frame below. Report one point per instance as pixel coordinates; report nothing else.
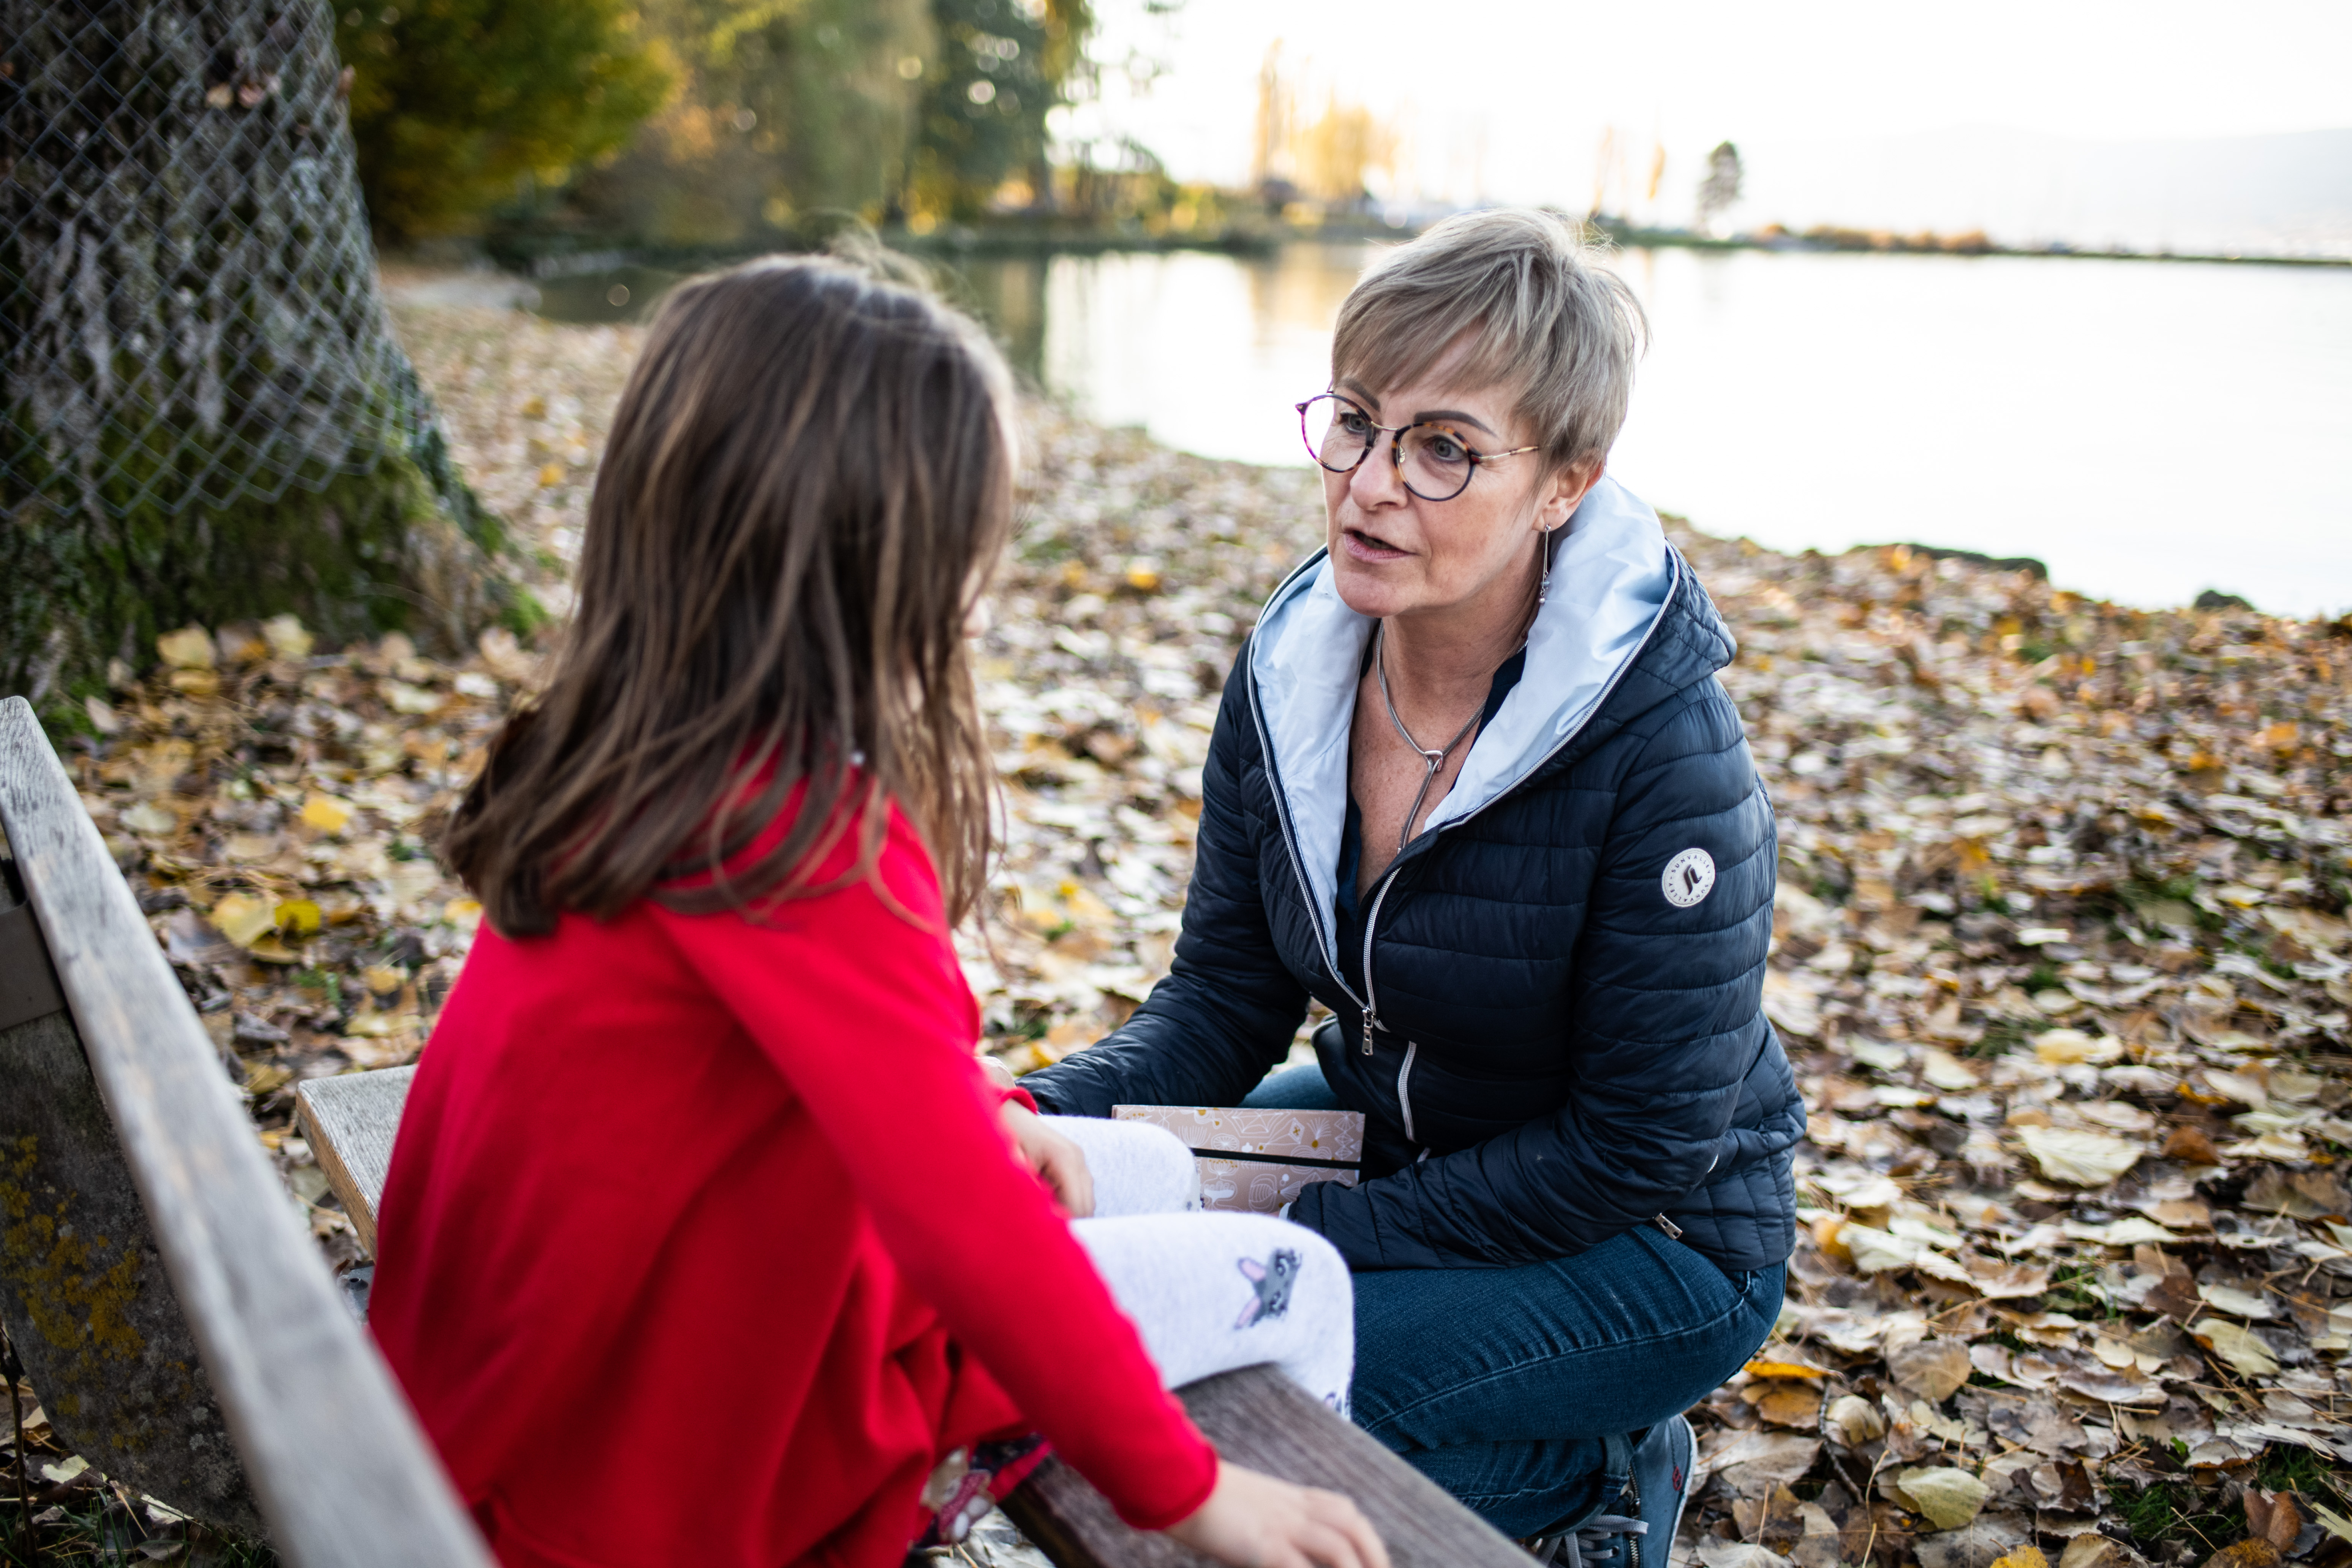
(1948, 1497)
(1853, 1420)
(1931, 1369)
(2253, 1552)
(1716, 1553)
(2023, 1557)
(190, 648)
(2082, 1158)
(2191, 1146)
(151, 819)
(326, 814)
(2238, 1348)
(244, 919)
(2092, 1550)
(1782, 1366)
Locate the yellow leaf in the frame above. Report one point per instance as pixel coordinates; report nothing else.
(288, 637)
(244, 919)
(1142, 579)
(462, 911)
(190, 648)
(534, 408)
(383, 979)
(326, 814)
(2022, 1557)
(377, 1025)
(1766, 1367)
(298, 917)
(550, 475)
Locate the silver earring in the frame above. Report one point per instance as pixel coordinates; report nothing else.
(1543, 547)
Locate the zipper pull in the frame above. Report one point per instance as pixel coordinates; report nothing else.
(1371, 1022)
(1674, 1232)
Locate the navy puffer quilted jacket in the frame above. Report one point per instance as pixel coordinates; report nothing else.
(1562, 973)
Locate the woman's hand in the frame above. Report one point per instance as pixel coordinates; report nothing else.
(1059, 1162)
(1253, 1520)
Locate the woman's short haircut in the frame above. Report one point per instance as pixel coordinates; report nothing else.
(1511, 297)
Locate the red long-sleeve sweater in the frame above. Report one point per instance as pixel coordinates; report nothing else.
(703, 1242)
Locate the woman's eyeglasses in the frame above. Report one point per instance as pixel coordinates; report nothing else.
(1432, 460)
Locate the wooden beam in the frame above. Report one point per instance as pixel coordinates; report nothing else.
(345, 1476)
(1260, 1418)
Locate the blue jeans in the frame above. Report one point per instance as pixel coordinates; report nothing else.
(1516, 1389)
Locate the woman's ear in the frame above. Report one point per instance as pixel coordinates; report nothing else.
(1564, 492)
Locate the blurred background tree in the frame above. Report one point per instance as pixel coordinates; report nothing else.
(1720, 188)
(1001, 66)
(455, 104)
(784, 109)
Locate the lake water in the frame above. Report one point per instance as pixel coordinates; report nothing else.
(2147, 429)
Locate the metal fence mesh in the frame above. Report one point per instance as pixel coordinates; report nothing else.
(186, 276)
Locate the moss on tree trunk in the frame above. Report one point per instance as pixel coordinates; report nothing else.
(207, 419)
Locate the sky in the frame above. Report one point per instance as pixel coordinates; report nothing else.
(1509, 99)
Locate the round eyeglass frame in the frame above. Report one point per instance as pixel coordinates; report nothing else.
(1395, 433)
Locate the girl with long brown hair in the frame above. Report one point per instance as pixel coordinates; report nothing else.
(705, 1241)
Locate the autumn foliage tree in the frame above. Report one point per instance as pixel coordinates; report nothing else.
(458, 106)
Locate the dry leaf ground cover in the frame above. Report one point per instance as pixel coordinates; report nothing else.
(2062, 958)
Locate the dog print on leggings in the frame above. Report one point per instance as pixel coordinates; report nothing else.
(1271, 1282)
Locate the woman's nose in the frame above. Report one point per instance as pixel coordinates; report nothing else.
(1376, 481)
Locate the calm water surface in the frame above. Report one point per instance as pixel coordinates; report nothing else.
(2149, 430)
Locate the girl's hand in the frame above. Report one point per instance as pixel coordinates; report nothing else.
(1253, 1520)
(1059, 1162)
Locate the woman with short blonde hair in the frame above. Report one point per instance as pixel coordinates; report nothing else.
(1475, 788)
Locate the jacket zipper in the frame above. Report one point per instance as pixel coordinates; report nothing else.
(1290, 836)
(1368, 1003)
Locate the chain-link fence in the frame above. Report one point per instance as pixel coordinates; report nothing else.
(186, 279)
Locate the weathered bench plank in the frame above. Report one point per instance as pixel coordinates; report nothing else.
(1255, 1417)
(344, 1474)
(1258, 1417)
(350, 1120)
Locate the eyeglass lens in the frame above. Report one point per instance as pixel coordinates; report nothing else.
(1435, 465)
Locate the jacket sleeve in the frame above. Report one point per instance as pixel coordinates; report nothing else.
(869, 1019)
(1229, 1007)
(1665, 1020)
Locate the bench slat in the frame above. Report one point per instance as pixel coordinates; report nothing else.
(350, 1120)
(1258, 1417)
(344, 1476)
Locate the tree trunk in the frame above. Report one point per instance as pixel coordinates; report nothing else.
(206, 417)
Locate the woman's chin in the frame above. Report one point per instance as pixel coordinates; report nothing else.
(1370, 588)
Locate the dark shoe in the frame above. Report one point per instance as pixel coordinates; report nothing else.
(1660, 1484)
(1640, 1532)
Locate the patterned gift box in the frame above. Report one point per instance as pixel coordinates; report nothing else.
(1256, 1161)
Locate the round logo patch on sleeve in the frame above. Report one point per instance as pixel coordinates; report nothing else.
(1690, 879)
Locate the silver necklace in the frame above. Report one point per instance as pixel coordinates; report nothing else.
(1431, 761)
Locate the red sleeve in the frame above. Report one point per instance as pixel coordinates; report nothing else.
(870, 1020)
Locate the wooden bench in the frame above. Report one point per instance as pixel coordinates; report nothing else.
(232, 1382)
(178, 1320)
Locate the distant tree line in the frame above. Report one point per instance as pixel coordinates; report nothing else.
(717, 123)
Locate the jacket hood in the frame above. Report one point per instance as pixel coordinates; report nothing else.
(1613, 579)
